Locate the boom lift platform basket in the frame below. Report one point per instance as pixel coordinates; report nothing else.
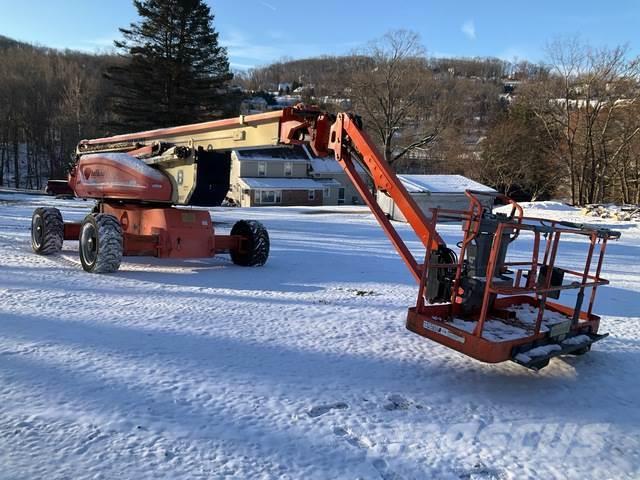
(501, 310)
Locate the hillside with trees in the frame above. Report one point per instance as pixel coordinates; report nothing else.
(168, 69)
(49, 99)
(569, 127)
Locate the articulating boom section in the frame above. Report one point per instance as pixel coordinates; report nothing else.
(350, 144)
(474, 300)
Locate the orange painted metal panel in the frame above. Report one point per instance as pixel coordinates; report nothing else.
(169, 232)
(119, 176)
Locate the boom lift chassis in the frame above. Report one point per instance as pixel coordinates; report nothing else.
(473, 300)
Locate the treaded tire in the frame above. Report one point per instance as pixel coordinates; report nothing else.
(100, 243)
(255, 248)
(581, 351)
(47, 231)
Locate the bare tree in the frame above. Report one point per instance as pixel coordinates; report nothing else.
(581, 106)
(392, 87)
(48, 101)
(626, 166)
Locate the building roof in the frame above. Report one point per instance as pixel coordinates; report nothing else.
(328, 182)
(264, 183)
(441, 184)
(328, 165)
(325, 165)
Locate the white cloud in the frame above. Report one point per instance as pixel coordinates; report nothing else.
(469, 29)
(268, 5)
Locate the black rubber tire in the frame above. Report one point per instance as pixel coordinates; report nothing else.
(581, 351)
(541, 365)
(255, 248)
(47, 231)
(100, 243)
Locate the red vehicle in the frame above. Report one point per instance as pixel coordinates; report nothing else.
(468, 297)
(58, 188)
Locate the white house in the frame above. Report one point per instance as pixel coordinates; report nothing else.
(436, 191)
(272, 176)
(287, 176)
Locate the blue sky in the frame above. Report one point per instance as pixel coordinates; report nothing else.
(257, 32)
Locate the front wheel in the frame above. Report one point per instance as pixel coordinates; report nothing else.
(100, 243)
(254, 248)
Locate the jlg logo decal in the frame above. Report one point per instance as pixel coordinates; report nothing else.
(88, 173)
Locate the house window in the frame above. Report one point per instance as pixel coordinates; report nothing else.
(288, 169)
(341, 195)
(271, 196)
(327, 192)
(262, 169)
(312, 195)
(256, 196)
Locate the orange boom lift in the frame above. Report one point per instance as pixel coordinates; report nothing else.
(471, 299)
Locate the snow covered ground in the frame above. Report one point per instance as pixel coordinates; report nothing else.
(301, 369)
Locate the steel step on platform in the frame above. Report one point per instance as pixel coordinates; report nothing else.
(537, 356)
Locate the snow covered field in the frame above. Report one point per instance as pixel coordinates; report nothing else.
(301, 369)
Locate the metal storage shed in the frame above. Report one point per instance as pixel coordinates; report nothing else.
(436, 191)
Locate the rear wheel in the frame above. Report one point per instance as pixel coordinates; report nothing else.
(255, 247)
(100, 243)
(47, 231)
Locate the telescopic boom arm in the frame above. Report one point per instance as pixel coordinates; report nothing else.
(324, 133)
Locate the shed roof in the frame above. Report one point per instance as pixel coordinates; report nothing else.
(441, 184)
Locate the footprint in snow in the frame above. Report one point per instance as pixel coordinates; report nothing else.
(480, 472)
(397, 402)
(322, 409)
(383, 469)
(352, 439)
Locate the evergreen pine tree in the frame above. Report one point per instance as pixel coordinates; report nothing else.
(174, 71)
